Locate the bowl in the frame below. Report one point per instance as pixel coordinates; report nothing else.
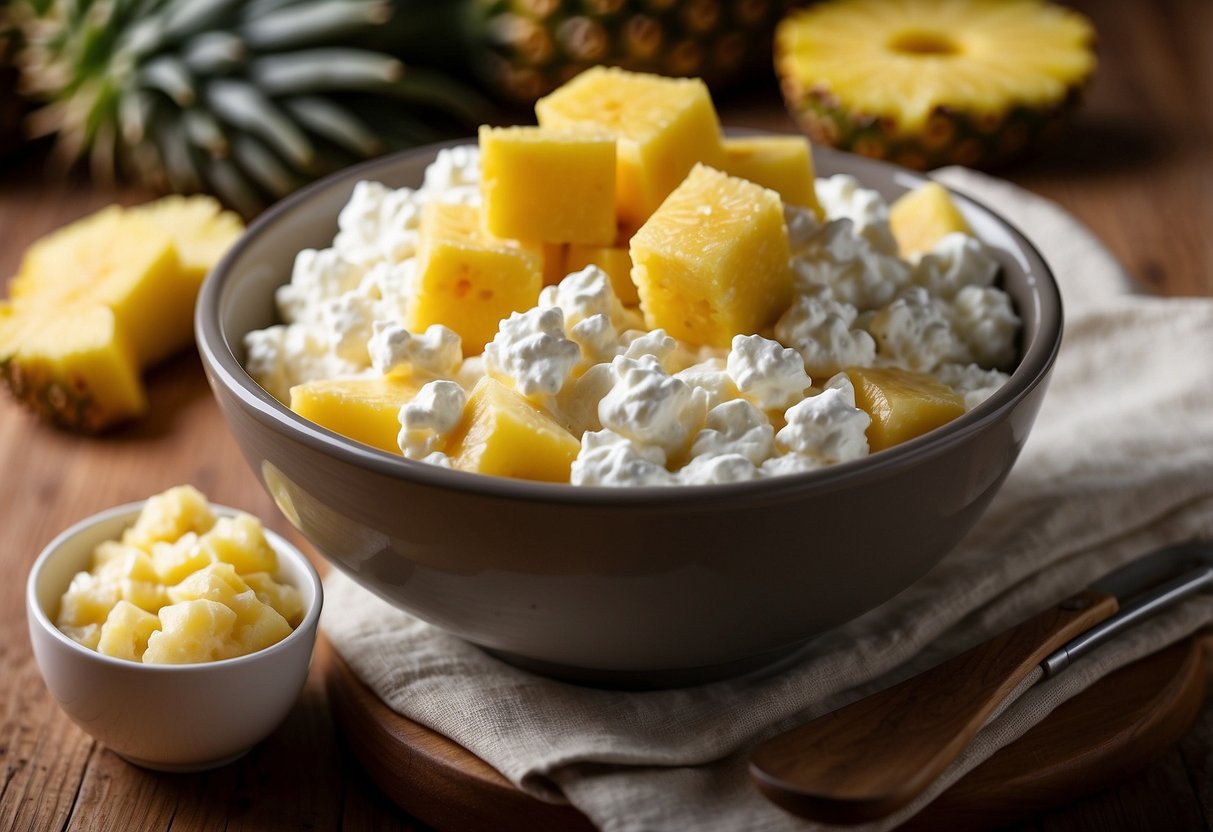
(636, 587)
(185, 717)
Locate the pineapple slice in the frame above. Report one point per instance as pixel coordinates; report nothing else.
(922, 217)
(362, 409)
(505, 435)
(902, 404)
(781, 163)
(927, 83)
(468, 279)
(76, 371)
(126, 630)
(663, 127)
(616, 262)
(548, 186)
(713, 261)
(200, 228)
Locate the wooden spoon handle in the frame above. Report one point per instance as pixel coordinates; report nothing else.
(872, 757)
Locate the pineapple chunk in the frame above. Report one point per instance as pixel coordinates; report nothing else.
(177, 560)
(126, 630)
(616, 262)
(781, 163)
(902, 404)
(922, 217)
(362, 409)
(240, 541)
(168, 516)
(505, 435)
(713, 261)
(554, 267)
(468, 279)
(286, 600)
(663, 127)
(548, 186)
(256, 625)
(88, 600)
(76, 371)
(191, 631)
(200, 228)
(133, 571)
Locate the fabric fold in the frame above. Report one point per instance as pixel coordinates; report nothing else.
(1120, 463)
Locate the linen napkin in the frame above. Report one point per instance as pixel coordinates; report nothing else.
(1120, 462)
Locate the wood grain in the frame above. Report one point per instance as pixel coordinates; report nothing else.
(1136, 167)
(865, 761)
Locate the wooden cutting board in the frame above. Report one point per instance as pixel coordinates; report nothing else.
(1111, 730)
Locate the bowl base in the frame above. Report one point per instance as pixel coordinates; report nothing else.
(659, 678)
(183, 768)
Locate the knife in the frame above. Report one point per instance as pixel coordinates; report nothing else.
(868, 759)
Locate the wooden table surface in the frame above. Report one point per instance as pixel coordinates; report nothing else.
(1136, 166)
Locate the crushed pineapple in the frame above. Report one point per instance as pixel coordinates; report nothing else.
(182, 585)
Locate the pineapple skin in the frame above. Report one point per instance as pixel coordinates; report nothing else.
(1003, 127)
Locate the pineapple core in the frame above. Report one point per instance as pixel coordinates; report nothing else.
(712, 262)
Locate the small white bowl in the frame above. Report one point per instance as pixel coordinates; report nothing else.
(187, 717)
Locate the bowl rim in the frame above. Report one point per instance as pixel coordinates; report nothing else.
(282, 547)
(223, 369)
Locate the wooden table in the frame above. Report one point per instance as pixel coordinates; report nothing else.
(1136, 166)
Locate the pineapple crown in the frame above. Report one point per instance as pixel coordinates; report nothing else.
(244, 98)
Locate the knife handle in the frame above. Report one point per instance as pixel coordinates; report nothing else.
(872, 757)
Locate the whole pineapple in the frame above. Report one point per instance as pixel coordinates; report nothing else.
(932, 82)
(523, 49)
(12, 106)
(244, 98)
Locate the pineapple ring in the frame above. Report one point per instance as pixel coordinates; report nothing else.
(924, 83)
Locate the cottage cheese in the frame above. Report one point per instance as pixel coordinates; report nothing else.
(648, 409)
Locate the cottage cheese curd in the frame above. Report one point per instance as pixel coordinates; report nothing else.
(648, 409)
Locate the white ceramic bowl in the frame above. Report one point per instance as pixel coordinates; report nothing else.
(186, 717)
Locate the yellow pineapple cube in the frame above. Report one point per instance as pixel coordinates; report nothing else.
(88, 600)
(134, 572)
(549, 186)
(713, 261)
(663, 126)
(259, 626)
(256, 625)
(554, 260)
(902, 404)
(200, 228)
(362, 409)
(240, 541)
(468, 279)
(191, 631)
(75, 370)
(126, 630)
(781, 163)
(505, 435)
(922, 217)
(616, 262)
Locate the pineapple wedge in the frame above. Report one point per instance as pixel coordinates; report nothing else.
(713, 261)
(548, 186)
(362, 409)
(663, 127)
(76, 371)
(102, 298)
(781, 163)
(902, 404)
(922, 217)
(504, 435)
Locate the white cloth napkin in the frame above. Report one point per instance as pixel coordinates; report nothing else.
(1120, 462)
